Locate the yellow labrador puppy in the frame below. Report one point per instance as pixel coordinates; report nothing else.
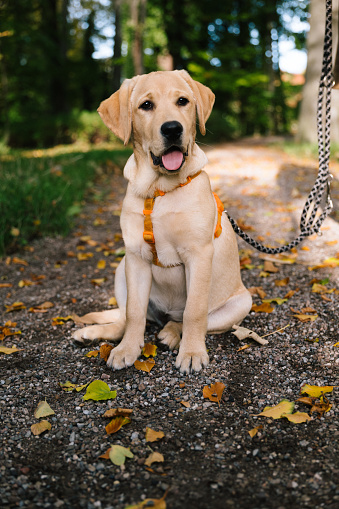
(181, 267)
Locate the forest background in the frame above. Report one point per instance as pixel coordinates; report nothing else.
(60, 58)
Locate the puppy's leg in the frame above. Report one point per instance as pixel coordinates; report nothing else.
(171, 334)
(138, 279)
(192, 352)
(232, 313)
(110, 331)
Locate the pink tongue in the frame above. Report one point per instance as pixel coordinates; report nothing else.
(172, 160)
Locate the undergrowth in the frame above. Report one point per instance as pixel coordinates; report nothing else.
(42, 191)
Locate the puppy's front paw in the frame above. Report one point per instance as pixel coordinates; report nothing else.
(123, 356)
(191, 360)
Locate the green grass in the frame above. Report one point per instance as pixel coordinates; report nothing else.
(302, 149)
(41, 191)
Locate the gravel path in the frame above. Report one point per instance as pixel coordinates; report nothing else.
(210, 460)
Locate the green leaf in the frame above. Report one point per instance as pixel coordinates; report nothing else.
(118, 454)
(99, 390)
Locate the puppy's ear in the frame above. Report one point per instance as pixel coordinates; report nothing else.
(116, 111)
(204, 99)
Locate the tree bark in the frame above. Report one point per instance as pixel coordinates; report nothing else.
(307, 127)
(116, 61)
(138, 14)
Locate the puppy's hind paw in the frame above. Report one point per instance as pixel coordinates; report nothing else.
(170, 335)
(80, 338)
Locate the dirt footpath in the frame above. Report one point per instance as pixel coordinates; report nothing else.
(209, 458)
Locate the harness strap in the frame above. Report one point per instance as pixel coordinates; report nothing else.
(148, 227)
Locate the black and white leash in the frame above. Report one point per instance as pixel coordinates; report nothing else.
(308, 224)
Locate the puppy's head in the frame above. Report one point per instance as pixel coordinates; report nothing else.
(159, 110)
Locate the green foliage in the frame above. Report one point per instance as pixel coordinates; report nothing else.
(41, 193)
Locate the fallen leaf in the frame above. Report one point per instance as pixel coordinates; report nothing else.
(276, 412)
(16, 306)
(270, 267)
(282, 282)
(6, 350)
(186, 404)
(116, 424)
(99, 390)
(255, 430)
(43, 410)
(243, 333)
(25, 282)
(305, 318)
(321, 407)
(154, 457)
(243, 348)
(98, 281)
(144, 365)
(319, 288)
(19, 261)
(84, 256)
(149, 350)
(277, 300)
(297, 417)
(262, 308)
(6, 285)
(118, 454)
(40, 427)
(42, 308)
(105, 351)
(214, 392)
(315, 391)
(112, 301)
(61, 320)
(336, 344)
(118, 412)
(308, 310)
(68, 386)
(257, 290)
(290, 294)
(152, 435)
(154, 503)
(101, 264)
(92, 353)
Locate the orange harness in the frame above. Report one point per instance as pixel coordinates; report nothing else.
(148, 227)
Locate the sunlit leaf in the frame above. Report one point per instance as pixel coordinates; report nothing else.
(315, 391)
(277, 300)
(149, 350)
(255, 430)
(282, 282)
(101, 264)
(7, 351)
(277, 411)
(152, 435)
(16, 306)
(112, 301)
(99, 390)
(43, 410)
(144, 365)
(305, 318)
(262, 308)
(297, 417)
(214, 392)
(92, 353)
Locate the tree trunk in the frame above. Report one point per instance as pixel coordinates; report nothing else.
(116, 61)
(138, 14)
(307, 127)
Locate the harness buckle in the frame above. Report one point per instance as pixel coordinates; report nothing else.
(149, 237)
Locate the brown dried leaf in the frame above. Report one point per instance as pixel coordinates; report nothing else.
(154, 457)
(116, 424)
(265, 307)
(149, 350)
(152, 435)
(270, 267)
(40, 427)
(144, 365)
(105, 351)
(282, 282)
(214, 392)
(118, 412)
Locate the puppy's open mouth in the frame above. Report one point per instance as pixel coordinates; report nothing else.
(171, 160)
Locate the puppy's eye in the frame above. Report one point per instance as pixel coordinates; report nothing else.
(182, 101)
(147, 105)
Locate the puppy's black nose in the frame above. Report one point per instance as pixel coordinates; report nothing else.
(171, 130)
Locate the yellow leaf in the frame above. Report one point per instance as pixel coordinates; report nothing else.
(243, 348)
(315, 391)
(306, 318)
(255, 430)
(16, 306)
(297, 417)
(282, 282)
(144, 365)
(153, 436)
(60, 320)
(101, 264)
(40, 427)
(214, 392)
(8, 351)
(277, 300)
(262, 308)
(277, 411)
(92, 353)
(112, 301)
(43, 410)
(98, 281)
(116, 424)
(149, 350)
(68, 386)
(84, 256)
(154, 503)
(154, 457)
(336, 344)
